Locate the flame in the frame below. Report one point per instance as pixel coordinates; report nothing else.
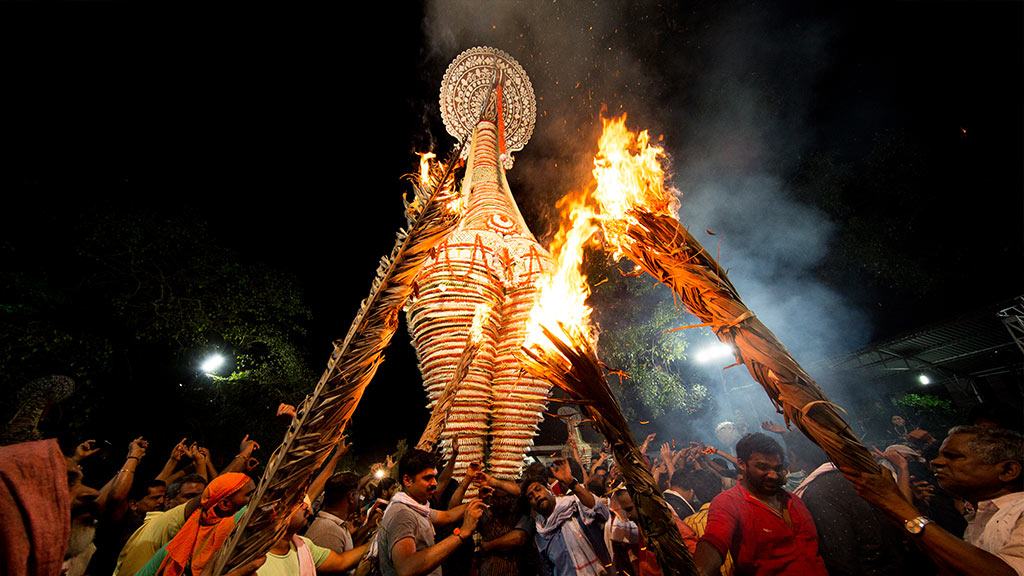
(564, 289)
(426, 167)
(476, 332)
(628, 175)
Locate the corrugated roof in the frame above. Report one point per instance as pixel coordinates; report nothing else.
(973, 345)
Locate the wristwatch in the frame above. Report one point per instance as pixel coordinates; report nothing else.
(916, 525)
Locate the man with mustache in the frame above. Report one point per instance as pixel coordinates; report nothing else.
(983, 466)
(405, 540)
(766, 529)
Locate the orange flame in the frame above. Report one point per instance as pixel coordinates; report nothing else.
(628, 175)
(476, 332)
(426, 165)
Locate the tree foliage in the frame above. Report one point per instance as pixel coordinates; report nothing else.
(636, 315)
(128, 304)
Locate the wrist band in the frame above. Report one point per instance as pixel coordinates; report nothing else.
(136, 457)
(575, 483)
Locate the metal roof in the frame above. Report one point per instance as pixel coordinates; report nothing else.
(978, 344)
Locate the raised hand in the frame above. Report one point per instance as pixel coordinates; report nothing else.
(666, 452)
(247, 446)
(85, 449)
(286, 410)
(649, 439)
(344, 446)
(137, 449)
(179, 451)
(200, 456)
(562, 472)
(770, 426)
(472, 516)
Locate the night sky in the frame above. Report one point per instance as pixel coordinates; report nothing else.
(288, 131)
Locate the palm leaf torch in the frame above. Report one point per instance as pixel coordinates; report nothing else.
(560, 348)
(322, 417)
(636, 213)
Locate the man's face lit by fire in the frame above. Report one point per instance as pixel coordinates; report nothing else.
(540, 498)
(421, 486)
(763, 474)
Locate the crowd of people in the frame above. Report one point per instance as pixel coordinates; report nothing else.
(771, 503)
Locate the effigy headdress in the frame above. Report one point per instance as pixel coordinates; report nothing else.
(468, 84)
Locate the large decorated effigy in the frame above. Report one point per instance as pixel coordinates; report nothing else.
(486, 270)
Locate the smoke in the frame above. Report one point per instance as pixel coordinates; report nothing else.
(731, 87)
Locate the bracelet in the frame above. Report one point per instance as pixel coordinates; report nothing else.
(458, 532)
(126, 470)
(130, 457)
(574, 484)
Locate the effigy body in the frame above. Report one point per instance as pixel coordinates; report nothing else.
(488, 266)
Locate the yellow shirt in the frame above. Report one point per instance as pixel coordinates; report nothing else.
(157, 530)
(288, 564)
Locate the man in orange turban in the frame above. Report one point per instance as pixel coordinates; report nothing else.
(206, 529)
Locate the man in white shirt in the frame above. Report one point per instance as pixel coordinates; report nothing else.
(984, 467)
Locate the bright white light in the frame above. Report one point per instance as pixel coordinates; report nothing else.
(713, 352)
(379, 474)
(212, 363)
(923, 379)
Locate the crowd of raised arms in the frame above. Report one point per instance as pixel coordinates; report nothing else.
(770, 503)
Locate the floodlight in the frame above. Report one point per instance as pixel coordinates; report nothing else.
(713, 352)
(212, 363)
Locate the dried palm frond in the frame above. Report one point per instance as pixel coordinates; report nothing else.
(436, 425)
(665, 249)
(575, 369)
(322, 417)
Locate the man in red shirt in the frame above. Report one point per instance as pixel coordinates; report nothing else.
(768, 530)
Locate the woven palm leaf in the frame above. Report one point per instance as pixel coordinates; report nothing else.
(666, 250)
(438, 416)
(576, 370)
(322, 417)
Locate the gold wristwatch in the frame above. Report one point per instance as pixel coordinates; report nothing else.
(916, 525)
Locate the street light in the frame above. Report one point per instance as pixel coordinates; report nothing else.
(212, 363)
(713, 352)
(923, 379)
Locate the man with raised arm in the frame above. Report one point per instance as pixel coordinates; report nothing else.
(569, 529)
(405, 540)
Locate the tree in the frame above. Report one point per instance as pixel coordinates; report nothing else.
(127, 303)
(635, 315)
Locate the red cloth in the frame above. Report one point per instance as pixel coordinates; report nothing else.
(760, 540)
(204, 532)
(35, 512)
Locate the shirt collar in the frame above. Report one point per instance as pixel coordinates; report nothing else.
(1003, 501)
(328, 516)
